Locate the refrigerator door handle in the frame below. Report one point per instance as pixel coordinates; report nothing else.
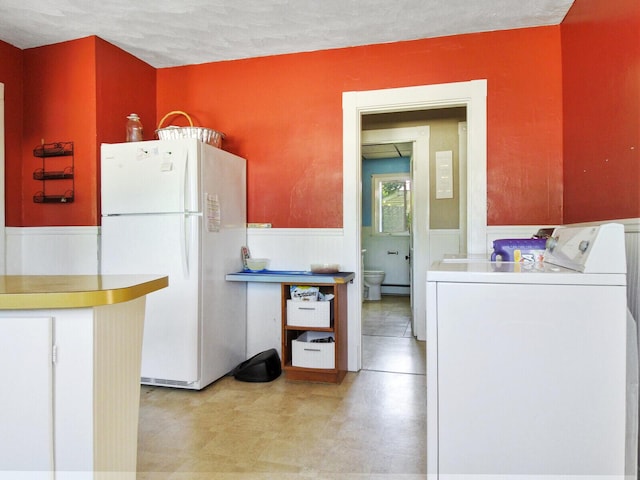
(185, 242)
(189, 184)
(189, 235)
(184, 198)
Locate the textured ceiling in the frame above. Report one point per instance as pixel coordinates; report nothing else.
(168, 33)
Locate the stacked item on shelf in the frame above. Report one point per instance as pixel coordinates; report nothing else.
(311, 308)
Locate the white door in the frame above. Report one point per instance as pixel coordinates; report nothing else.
(419, 240)
(26, 416)
(148, 177)
(452, 240)
(2, 216)
(164, 245)
(462, 152)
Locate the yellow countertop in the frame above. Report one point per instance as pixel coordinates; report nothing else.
(27, 292)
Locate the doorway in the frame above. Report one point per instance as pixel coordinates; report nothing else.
(429, 147)
(472, 96)
(388, 210)
(414, 142)
(2, 175)
(388, 344)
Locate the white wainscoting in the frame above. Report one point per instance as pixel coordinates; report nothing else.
(52, 250)
(296, 248)
(75, 250)
(288, 249)
(389, 254)
(443, 242)
(632, 245)
(511, 231)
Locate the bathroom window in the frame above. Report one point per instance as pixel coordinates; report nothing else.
(391, 203)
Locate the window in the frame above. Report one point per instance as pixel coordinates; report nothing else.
(391, 203)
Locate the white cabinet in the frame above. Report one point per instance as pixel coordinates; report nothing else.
(70, 349)
(77, 416)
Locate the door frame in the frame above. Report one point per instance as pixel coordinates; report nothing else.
(472, 95)
(3, 246)
(418, 136)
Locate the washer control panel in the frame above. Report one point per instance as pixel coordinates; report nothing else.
(592, 249)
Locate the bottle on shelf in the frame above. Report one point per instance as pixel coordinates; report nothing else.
(134, 128)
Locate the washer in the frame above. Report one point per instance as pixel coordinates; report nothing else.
(527, 364)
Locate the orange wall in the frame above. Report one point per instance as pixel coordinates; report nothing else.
(601, 77)
(79, 91)
(125, 85)
(567, 90)
(59, 105)
(284, 114)
(11, 76)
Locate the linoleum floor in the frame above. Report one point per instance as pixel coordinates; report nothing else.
(371, 426)
(388, 344)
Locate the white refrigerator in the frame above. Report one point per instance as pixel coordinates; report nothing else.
(178, 208)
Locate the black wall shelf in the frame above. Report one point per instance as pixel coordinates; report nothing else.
(55, 169)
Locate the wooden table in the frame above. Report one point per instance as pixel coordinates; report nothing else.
(323, 362)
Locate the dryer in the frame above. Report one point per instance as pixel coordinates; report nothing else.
(527, 364)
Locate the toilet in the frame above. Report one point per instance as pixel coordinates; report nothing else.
(373, 282)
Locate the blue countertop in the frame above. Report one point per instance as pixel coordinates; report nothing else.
(290, 276)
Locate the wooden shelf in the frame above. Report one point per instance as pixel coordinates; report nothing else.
(311, 329)
(320, 375)
(338, 328)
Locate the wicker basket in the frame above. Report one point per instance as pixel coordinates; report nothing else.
(207, 135)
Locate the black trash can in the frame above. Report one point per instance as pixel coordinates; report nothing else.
(263, 367)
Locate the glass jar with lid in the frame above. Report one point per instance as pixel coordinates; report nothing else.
(134, 128)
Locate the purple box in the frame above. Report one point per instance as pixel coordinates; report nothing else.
(519, 249)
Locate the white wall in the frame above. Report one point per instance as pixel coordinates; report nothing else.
(288, 249)
(632, 247)
(52, 250)
(74, 250)
(381, 255)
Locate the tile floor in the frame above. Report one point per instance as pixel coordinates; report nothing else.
(372, 426)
